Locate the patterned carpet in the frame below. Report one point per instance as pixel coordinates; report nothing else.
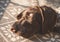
(9, 9)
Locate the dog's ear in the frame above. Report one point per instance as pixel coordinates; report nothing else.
(20, 15)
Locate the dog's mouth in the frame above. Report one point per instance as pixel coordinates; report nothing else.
(21, 29)
(23, 33)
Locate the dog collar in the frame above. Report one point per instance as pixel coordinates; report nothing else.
(42, 15)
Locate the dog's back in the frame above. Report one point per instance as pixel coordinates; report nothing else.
(50, 18)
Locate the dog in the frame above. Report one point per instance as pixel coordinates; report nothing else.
(37, 19)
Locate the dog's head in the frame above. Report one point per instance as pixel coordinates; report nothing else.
(29, 22)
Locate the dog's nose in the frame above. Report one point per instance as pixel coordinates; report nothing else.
(14, 27)
(13, 30)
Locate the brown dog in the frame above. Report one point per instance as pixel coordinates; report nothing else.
(35, 20)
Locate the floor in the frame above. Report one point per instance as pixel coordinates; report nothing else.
(9, 9)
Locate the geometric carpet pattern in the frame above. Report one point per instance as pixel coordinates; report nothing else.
(9, 9)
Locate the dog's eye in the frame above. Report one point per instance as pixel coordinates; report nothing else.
(28, 13)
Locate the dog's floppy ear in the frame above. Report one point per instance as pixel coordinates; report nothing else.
(20, 15)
